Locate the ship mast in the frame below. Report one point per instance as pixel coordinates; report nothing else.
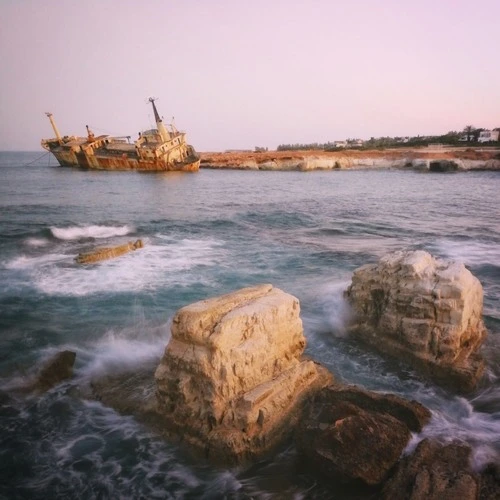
(159, 123)
(54, 126)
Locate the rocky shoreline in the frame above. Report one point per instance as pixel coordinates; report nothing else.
(424, 159)
(233, 384)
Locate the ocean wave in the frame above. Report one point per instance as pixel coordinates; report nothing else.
(472, 253)
(77, 232)
(175, 263)
(125, 349)
(36, 242)
(23, 262)
(458, 420)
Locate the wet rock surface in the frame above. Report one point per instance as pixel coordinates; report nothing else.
(352, 435)
(434, 472)
(54, 371)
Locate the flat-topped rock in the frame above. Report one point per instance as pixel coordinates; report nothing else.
(232, 379)
(423, 310)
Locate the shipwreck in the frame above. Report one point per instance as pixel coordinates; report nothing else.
(159, 149)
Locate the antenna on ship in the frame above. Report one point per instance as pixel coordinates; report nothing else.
(54, 126)
(159, 123)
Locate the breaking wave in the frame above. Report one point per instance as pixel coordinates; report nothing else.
(178, 262)
(470, 252)
(76, 232)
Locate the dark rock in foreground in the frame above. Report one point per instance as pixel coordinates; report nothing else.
(434, 472)
(349, 434)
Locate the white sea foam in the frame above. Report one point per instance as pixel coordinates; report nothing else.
(22, 262)
(77, 232)
(178, 263)
(458, 421)
(125, 349)
(335, 310)
(470, 252)
(36, 242)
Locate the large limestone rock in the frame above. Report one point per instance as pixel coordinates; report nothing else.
(232, 380)
(424, 310)
(352, 435)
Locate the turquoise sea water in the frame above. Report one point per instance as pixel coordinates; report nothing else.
(206, 234)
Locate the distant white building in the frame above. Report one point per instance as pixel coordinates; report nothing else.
(488, 135)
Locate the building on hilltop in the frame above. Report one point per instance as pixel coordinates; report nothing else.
(488, 136)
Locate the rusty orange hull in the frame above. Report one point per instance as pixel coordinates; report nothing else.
(123, 162)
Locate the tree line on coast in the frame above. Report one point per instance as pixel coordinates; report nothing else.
(469, 135)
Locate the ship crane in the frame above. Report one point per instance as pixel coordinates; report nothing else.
(54, 126)
(159, 123)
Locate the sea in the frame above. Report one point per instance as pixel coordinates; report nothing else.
(206, 234)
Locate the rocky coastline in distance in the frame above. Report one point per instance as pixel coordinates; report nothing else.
(437, 159)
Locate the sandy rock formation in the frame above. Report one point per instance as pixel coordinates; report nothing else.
(352, 435)
(231, 380)
(108, 253)
(424, 310)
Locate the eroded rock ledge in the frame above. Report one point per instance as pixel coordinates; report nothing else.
(232, 379)
(422, 159)
(425, 311)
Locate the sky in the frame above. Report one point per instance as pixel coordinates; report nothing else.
(237, 74)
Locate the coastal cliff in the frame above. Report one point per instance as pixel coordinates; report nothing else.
(416, 159)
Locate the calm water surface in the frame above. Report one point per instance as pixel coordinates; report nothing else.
(206, 234)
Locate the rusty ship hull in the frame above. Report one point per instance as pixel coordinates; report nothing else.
(155, 150)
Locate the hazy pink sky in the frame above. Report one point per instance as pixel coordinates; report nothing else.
(239, 74)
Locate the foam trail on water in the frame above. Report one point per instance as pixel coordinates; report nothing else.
(77, 232)
(22, 262)
(177, 263)
(470, 252)
(36, 242)
(458, 421)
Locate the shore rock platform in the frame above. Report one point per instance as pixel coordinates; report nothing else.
(425, 311)
(232, 379)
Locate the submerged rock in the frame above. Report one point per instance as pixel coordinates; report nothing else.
(352, 435)
(55, 370)
(232, 380)
(108, 252)
(423, 310)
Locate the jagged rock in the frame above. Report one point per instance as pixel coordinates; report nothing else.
(232, 380)
(55, 370)
(108, 252)
(351, 435)
(434, 472)
(411, 413)
(423, 310)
